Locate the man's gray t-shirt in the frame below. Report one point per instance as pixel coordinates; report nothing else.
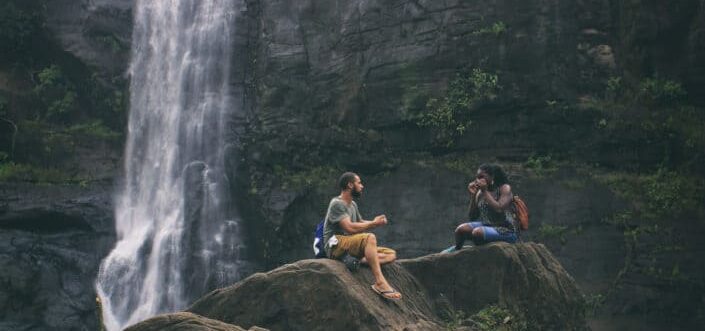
(337, 211)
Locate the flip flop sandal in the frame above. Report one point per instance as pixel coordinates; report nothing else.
(383, 294)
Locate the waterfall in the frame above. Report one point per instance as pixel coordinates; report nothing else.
(177, 234)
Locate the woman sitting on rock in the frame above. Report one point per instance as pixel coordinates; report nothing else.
(490, 212)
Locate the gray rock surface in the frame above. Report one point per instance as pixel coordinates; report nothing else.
(185, 321)
(323, 295)
(52, 240)
(97, 32)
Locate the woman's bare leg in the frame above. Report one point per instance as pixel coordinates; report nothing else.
(462, 232)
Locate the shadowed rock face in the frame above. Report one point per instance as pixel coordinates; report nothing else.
(323, 295)
(51, 242)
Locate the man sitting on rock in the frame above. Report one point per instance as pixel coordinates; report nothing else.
(344, 233)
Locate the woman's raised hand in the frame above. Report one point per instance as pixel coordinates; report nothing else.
(472, 188)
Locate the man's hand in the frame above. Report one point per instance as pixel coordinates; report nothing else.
(380, 220)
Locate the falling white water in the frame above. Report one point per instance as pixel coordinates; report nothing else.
(177, 236)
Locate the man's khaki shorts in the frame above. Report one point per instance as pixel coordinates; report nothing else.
(354, 245)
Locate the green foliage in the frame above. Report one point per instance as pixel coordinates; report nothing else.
(18, 26)
(541, 165)
(490, 318)
(112, 42)
(465, 163)
(548, 232)
(50, 145)
(614, 84)
(118, 103)
(65, 105)
(93, 130)
(574, 184)
(62, 106)
(496, 318)
(652, 111)
(56, 92)
(109, 99)
(413, 96)
(318, 177)
(453, 319)
(620, 218)
(663, 194)
(49, 77)
(450, 116)
(614, 88)
(593, 303)
(495, 29)
(13, 172)
(663, 92)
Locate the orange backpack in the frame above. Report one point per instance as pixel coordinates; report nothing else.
(521, 213)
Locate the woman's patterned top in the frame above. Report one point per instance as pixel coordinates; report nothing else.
(503, 221)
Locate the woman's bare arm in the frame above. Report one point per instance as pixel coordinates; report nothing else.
(505, 198)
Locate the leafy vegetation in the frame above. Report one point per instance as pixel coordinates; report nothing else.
(57, 94)
(660, 205)
(12, 172)
(94, 130)
(548, 231)
(465, 163)
(490, 318)
(453, 318)
(541, 165)
(110, 41)
(57, 103)
(497, 318)
(593, 303)
(662, 92)
(318, 177)
(18, 27)
(658, 195)
(495, 29)
(450, 115)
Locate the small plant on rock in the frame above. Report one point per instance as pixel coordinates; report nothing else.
(450, 115)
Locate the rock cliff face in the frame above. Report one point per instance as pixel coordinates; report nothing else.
(96, 32)
(324, 295)
(50, 249)
(349, 77)
(53, 236)
(346, 81)
(334, 86)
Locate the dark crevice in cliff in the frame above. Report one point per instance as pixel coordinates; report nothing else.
(43, 221)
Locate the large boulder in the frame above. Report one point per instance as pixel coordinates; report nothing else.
(320, 295)
(184, 321)
(524, 278)
(323, 295)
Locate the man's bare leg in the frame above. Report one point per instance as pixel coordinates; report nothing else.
(383, 258)
(373, 261)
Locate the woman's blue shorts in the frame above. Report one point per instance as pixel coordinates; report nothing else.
(492, 234)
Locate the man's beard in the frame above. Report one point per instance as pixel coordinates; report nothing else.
(355, 193)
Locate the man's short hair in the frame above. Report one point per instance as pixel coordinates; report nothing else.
(348, 177)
